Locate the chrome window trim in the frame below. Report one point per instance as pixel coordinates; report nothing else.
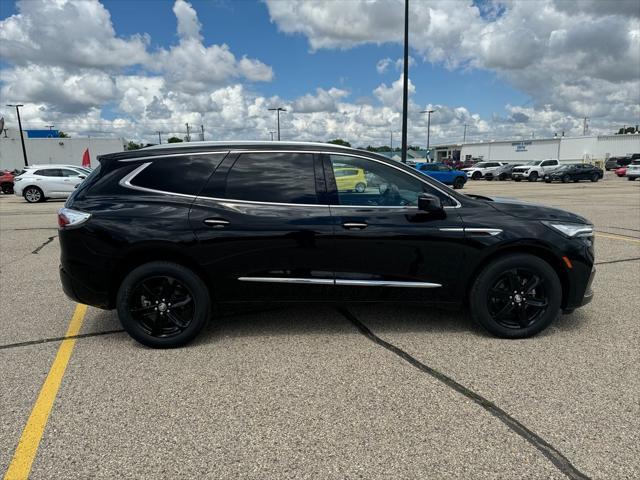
(340, 282)
(169, 155)
(126, 181)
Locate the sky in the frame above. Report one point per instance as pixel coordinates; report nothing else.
(503, 68)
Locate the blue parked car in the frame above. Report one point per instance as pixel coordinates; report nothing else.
(443, 173)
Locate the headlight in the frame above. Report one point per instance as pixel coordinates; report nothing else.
(572, 230)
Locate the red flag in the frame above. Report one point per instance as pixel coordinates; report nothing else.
(86, 159)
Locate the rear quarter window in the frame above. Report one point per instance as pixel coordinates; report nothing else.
(185, 175)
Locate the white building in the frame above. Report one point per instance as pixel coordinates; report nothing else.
(565, 149)
(52, 150)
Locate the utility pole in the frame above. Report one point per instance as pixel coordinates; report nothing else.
(188, 134)
(24, 149)
(202, 133)
(159, 137)
(392, 141)
(49, 127)
(464, 135)
(405, 84)
(429, 112)
(585, 126)
(271, 132)
(278, 110)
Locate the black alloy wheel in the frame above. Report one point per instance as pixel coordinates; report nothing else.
(458, 183)
(476, 176)
(566, 179)
(516, 296)
(163, 304)
(502, 177)
(595, 177)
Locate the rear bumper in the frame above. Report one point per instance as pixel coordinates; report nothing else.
(79, 292)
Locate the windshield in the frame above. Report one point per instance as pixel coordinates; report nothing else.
(535, 162)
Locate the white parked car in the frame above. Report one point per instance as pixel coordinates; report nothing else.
(40, 182)
(534, 170)
(633, 170)
(480, 169)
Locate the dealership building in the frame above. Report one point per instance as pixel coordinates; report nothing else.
(43, 147)
(566, 149)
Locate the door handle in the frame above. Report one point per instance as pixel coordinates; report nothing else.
(216, 222)
(355, 225)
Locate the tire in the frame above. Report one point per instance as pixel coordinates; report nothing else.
(459, 182)
(502, 177)
(533, 177)
(33, 194)
(144, 304)
(632, 179)
(494, 306)
(566, 179)
(547, 180)
(7, 188)
(595, 177)
(360, 187)
(518, 179)
(476, 176)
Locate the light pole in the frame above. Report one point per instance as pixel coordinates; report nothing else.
(464, 136)
(428, 112)
(278, 110)
(271, 132)
(405, 84)
(24, 150)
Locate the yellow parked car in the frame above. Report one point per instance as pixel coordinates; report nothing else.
(350, 179)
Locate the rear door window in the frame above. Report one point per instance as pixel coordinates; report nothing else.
(184, 175)
(274, 178)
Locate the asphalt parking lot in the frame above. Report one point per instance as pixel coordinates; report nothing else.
(317, 392)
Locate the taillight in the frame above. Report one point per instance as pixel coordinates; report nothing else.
(67, 217)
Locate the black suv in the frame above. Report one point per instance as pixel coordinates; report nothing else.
(164, 232)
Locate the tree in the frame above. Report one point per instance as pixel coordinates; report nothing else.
(624, 130)
(133, 146)
(339, 141)
(61, 134)
(174, 140)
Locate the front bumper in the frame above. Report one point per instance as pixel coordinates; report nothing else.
(515, 174)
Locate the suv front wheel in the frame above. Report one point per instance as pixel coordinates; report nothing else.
(516, 296)
(163, 304)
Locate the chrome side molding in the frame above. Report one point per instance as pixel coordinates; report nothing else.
(341, 282)
(472, 230)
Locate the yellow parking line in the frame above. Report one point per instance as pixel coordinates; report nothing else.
(25, 453)
(617, 237)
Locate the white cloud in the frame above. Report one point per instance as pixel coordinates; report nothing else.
(573, 55)
(76, 34)
(383, 65)
(322, 101)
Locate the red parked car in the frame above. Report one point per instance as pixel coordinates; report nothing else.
(6, 181)
(621, 172)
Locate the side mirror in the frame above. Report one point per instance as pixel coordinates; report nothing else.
(429, 203)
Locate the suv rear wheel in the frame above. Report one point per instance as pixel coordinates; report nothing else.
(476, 176)
(163, 304)
(458, 183)
(516, 296)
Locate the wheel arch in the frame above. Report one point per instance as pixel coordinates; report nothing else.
(141, 254)
(532, 249)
